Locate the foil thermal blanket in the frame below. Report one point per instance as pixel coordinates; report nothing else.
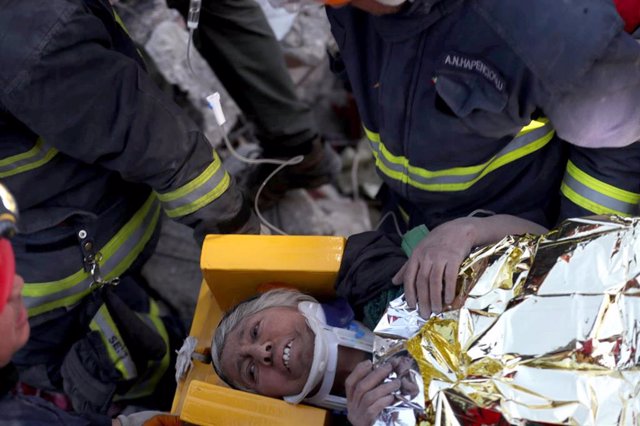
(548, 332)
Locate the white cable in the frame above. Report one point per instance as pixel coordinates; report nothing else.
(189, 43)
(395, 221)
(214, 102)
(481, 211)
(193, 18)
(289, 162)
(354, 175)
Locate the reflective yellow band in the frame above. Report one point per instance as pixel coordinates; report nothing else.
(156, 369)
(36, 157)
(199, 192)
(119, 21)
(533, 125)
(117, 256)
(595, 195)
(602, 187)
(405, 216)
(113, 342)
(530, 139)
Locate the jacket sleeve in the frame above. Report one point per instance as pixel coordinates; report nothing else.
(600, 118)
(96, 105)
(369, 262)
(601, 181)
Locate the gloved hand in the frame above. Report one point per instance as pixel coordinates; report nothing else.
(147, 418)
(217, 219)
(143, 342)
(88, 376)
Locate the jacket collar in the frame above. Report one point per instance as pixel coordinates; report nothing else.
(414, 17)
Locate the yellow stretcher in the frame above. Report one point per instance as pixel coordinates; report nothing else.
(234, 268)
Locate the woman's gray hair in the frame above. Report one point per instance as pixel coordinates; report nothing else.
(277, 298)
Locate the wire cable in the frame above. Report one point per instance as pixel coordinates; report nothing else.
(354, 175)
(189, 43)
(255, 161)
(395, 221)
(214, 102)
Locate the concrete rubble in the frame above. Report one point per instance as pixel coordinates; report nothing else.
(162, 34)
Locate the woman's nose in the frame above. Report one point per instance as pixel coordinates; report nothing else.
(264, 352)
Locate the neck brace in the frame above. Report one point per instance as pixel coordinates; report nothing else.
(325, 356)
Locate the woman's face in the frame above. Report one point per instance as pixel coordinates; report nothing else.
(270, 352)
(14, 323)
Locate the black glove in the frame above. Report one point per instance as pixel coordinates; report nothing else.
(89, 377)
(143, 342)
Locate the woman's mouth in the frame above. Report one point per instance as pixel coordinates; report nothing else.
(286, 355)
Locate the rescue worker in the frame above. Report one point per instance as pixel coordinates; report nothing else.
(14, 327)
(94, 153)
(522, 108)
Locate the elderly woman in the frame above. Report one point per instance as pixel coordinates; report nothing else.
(285, 344)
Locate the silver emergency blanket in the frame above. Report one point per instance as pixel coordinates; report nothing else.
(548, 333)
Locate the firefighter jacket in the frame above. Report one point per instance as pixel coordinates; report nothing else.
(527, 108)
(93, 151)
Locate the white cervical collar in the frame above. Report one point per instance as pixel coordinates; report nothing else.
(325, 356)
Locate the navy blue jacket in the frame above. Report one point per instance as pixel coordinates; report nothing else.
(527, 108)
(94, 151)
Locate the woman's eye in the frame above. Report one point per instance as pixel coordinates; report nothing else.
(254, 330)
(252, 372)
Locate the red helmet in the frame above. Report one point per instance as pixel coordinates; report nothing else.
(8, 219)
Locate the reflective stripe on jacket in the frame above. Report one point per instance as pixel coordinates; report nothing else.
(87, 138)
(530, 139)
(452, 96)
(120, 355)
(116, 257)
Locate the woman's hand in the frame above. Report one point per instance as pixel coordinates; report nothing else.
(367, 395)
(402, 367)
(430, 274)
